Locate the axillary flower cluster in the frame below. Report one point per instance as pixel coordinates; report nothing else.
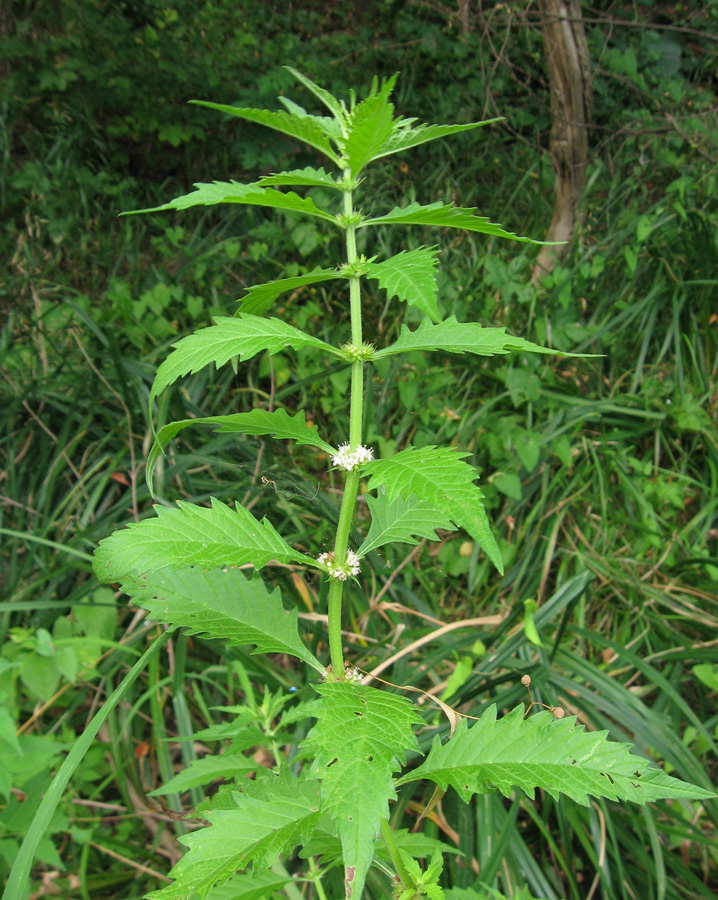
(352, 459)
(340, 572)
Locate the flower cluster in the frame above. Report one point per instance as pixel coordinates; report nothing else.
(351, 673)
(352, 459)
(350, 567)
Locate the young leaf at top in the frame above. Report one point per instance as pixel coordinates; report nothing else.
(258, 421)
(438, 476)
(445, 217)
(243, 336)
(307, 177)
(303, 128)
(556, 755)
(192, 536)
(274, 814)
(400, 520)
(462, 337)
(246, 194)
(221, 605)
(335, 107)
(260, 297)
(360, 738)
(405, 135)
(410, 276)
(370, 126)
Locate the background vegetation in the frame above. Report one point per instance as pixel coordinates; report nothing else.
(601, 475)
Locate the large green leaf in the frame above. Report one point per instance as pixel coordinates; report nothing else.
(274, 814)
(222, 605)
(278, 423)
(461, 337)
(260, 297)
(192, 536)
(400, 520)
(243, 336)
(410, 276)
(405, 135)
(306, 177)
(335, 107)
(210, 194)
(370, 127)
(360, 738)
(438, 476)
(556, 755)
(250, 887)
(303, 128)
(206, 770)
(445, 217)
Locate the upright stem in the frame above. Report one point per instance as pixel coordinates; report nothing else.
(346, 514)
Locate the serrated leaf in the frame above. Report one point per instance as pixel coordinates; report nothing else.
(223, 605)
(307, 177)
(406, 135)
(192, 536)
(303, 128)
(274, 814)
(258, 421)
(335, 107)
(445, 217)
(370, 126)
(210, 194)
(400, 520)
(250, 887)
(206, 770)
(260, 297)
(360, 738)
(438, 476)
(243, 336)
(556, 755)
(461, 337)
(410, 276)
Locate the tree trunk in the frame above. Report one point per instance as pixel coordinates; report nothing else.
(570, 81)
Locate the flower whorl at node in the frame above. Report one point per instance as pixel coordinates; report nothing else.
(341, 573)
(358, 354)
(352, 459)
(351, 673)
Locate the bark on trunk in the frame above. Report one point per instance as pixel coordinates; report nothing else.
(567, 61)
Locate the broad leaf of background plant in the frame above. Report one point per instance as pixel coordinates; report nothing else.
(210, 194)
(303, 128)
(192, 536)
(206, 770)
(461, 337)
(243, 336)
(258, 421)
(260, 297)
(438, 476)
(274, 814)
(556, 755)
(401, 520)
(307, 177)
(223, 606)
(369, 128)
(410, 276)
(445, 217)
(406, 135)
(359, 739)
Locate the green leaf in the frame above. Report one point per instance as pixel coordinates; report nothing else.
(360, 738)
(210, 194)
(400, 520)
(335, 107)
(556, 755)
(405, 135)
(243, 336)
(370, 126)
(438, 476)
(444, 217)
(206, 770)
(260, 297)
(461, 337)
(307, 177)
(192, 536)
(303, 128)
(222, 605)
(274, 814)
(258, 421)
(410, 276)
(250, 887)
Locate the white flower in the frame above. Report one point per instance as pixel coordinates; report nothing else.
(341, 573)
(352, 459)
(351, 673)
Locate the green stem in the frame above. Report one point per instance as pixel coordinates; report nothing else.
(395, 856)
(346, 514)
